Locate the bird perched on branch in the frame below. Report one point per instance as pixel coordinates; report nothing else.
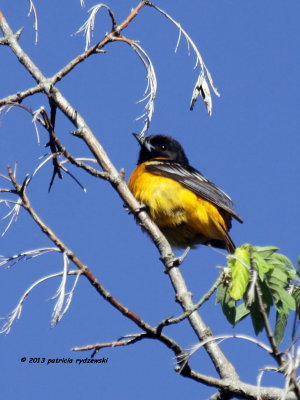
(188, 208)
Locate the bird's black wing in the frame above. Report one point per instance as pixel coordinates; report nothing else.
(195, 181)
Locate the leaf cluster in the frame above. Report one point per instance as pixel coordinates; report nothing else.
(260, 279)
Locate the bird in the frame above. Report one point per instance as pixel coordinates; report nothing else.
(188, 208)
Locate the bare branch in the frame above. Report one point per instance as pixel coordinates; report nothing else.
(36, 114)
(5, 40)
(75, 161)
(99, 46)
(20, 96)
(32, 8)
(4, 177)
(185, 315)
(290, 380)
(201, 86)
(25, 255)
(260, 376)
(88, 27)
(21, 191)
(151, 332)
(72, 176)
(151, 89)
(44, 162)
(220, 338)
(16, 313)
(12, 214)
(116, 343)
(9, 105)
(60, 293)
(58, 311)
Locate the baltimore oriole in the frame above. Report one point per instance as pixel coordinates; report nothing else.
(188, 208)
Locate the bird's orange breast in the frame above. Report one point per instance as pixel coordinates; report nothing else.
(185, 218)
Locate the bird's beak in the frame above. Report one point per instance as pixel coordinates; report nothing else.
(139, 138)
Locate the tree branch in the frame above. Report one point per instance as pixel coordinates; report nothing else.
(20, 96)
(184, 297)
(185, 315)
(66, 154)
(116, 30)
(116, 343)
(21, 191)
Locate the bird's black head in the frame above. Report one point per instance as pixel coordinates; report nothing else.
(161, 146)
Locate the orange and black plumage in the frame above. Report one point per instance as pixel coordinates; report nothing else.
(188, 208)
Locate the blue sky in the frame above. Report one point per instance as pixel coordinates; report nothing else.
(249, 147)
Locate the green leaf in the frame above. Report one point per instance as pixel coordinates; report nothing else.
(283, 259)
(286, 302)
(227, 303)
(265, 251)
(241, 255)
(240, 273)
(266, 259)
(241, 312)
(281, 321)
(275, 273)
(261, 265)
(281, 274)
(277, 282)
(276, 290)
(257, 320)
(221, 293)
(293, 275)
(240, 280)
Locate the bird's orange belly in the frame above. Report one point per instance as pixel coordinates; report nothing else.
(185, 218)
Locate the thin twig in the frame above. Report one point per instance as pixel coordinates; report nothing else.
(88, 27)
(63, 248)
(99, 46)
(24, 255)
(68, 156)
(151, 88)
(151, 331)
(49, 125)
(185, 315)
(221, 338)
(16, 313)
(201, 86)
(32, 8)
(13, 213)
(20, 96)
(117, 343)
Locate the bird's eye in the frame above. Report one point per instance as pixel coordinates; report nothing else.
(163, 147)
